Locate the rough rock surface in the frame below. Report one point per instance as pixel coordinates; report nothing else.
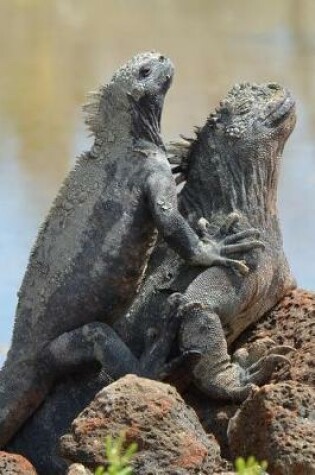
(169, 436)
(291, 322)
(78, 469)
(14, 464)
(44, 432)
(277, 424)
(280, 418)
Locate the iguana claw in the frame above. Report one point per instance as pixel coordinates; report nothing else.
(260, 360)
(281, 350)
(259, 373)
(239, 265)
(260, 348)
(226, 384)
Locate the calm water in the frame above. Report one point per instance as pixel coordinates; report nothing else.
(54, 51)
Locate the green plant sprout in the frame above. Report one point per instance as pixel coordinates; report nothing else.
(250, 466)
(118, 459)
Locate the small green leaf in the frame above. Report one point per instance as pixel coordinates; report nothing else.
(251, 462)
(99, 471)
(125, 471)
(240, 464)
(117, 458)
(250, 466)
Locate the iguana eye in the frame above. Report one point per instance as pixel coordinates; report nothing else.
(144, 72)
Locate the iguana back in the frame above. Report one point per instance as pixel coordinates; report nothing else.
(91, 252)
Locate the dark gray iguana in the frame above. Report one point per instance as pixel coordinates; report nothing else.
(231, 167)
(91, 252)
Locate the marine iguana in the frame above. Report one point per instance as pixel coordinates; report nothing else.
(90, 255)
(223, 174)
(231, 169)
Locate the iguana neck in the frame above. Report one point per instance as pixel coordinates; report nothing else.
(146, 116)
(124, 121)
(221, 180)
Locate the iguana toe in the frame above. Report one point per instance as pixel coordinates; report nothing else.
(281, 350)
(249, 355)
(260, 373)
(225, 384)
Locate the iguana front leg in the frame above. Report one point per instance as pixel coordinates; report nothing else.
(258, 359)
(198, 251)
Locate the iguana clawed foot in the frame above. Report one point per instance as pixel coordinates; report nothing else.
(256, 350)
(224, 382)
(223, 243)
(214, 372)
(260, 360)
(232, 382)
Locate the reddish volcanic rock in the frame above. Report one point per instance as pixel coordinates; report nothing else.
(291, 322)
(13, 464)
(169, 436)
(277, 424)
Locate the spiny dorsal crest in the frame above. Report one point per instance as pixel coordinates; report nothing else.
(92, 111)
(178, 153)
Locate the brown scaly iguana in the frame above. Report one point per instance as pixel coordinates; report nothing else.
(92, 250)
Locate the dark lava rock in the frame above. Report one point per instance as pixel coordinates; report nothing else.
(277, 424)
(291, 322)
(170, 438)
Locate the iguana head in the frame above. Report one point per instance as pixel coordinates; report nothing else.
(255, 112)
(133, 99)
(236, 155)
(145, 75)
(250, 114)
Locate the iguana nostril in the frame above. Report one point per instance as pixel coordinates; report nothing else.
(274, 85)
(162, 58)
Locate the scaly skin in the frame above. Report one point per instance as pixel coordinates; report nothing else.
(223, 175)
(231, 169)
(91, 253)
(92, 250)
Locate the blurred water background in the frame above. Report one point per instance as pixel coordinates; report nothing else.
(53, 51)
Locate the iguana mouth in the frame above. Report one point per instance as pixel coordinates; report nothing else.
(281, 110)
(166, 84)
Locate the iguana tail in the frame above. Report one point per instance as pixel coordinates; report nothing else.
(22, 389)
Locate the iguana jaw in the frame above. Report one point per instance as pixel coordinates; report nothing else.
(280, 118)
